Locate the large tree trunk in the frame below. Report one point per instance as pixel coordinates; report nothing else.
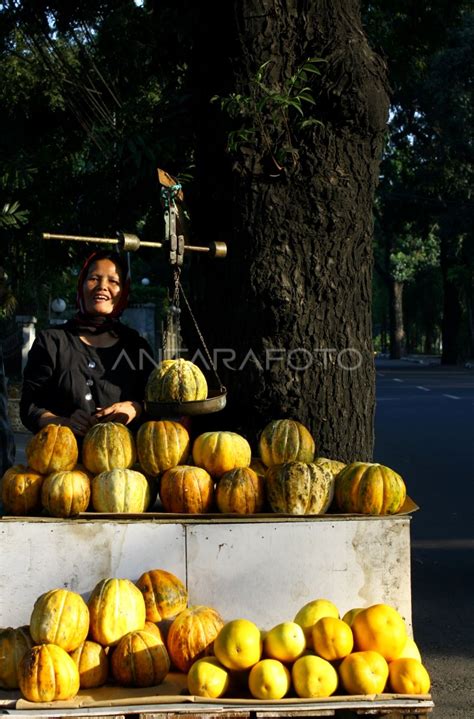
(293, 299)
(397, 330)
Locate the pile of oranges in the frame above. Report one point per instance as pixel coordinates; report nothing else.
(318, 654)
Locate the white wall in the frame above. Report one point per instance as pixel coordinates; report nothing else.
(263, 570)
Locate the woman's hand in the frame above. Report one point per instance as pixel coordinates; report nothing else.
(123, 412)
(79, 421)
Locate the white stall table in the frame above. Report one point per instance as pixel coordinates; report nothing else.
(261, 567)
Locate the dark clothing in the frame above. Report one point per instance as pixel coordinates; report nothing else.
(7, 440)
(64, 374)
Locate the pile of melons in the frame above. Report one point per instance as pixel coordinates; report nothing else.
(71, 644)
(54, 481)
(120, 473)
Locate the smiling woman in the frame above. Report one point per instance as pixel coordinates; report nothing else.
(102, 288)
(93, 368)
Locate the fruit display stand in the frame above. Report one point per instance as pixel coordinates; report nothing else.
(262, 566)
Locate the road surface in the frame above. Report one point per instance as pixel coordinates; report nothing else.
(424, 429)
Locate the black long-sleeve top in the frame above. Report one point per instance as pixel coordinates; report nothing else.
(7, 441)
(63, 374)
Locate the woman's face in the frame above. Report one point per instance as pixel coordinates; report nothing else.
(102, 287)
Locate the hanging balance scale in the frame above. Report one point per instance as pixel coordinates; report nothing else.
(171, 196)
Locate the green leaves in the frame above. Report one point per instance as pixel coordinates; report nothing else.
(413, 252)
(11, 217)
(272, 113)
(8, 304)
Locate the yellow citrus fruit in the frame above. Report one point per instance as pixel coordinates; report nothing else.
(269, 679)
(238, 644)
(311, 613)
(410, 650)
(364, 673)
(350, 614)
(332, 638)
(408, 676)
(380, 628)
(285, 642)
(313, 677)
(208, 678)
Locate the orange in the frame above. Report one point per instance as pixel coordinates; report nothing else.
(285, 642)
(380, 628)
(238, 644)
(410, 650)
(269, 679)
(408, 676)
(208, 678)
(308, 615)
(350, 614)
(313, 677)
(364, 673)
(332, 638)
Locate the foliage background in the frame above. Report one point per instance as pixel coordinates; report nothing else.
(96, 95)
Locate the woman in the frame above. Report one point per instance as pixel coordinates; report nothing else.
(93, 368)
(7, 441)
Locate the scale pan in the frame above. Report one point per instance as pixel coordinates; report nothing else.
(214, 403)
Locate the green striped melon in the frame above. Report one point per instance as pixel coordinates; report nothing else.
(161, 445)
(107, 446)
(365, 488)
(176, 381)
(286, 440)
(334, 465)
(299, 488)
(120, 491)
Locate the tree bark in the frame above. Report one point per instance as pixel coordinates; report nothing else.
(397, 330)
(291, 305)
(428, 343)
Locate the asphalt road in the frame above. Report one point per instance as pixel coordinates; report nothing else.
(424, 429)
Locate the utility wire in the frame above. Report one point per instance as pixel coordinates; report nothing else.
(90, 57)
(75, 78)
(91, 95)
(84, 119)
(75, 91)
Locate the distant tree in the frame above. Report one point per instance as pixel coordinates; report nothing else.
(406, 240)
(427, 166)
(423, 310)
(448, 105)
